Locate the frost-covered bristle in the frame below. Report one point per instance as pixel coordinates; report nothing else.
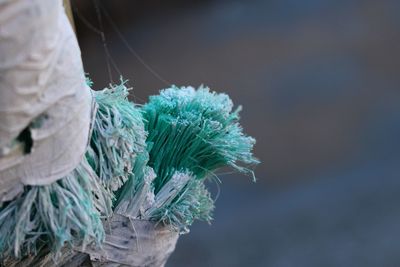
(67, 211)
(195, 130)
(191, 133)
(181, 201)
(118, 136)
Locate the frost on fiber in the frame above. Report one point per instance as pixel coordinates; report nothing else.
(118, 136)
(194, 132)
(67, 211)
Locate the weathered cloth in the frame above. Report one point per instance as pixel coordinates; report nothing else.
(129, 243)
(44, 101)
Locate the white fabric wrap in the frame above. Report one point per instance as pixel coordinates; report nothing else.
(129, 243)
(42, 81)
(134, 243)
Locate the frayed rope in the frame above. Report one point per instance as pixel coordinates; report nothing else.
(65, 212)
(118, 136)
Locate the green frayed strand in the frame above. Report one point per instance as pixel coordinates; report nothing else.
(132, 195)
(195, 130)
(191, 202)
(66, 212)
(118, 136)
(192, 133)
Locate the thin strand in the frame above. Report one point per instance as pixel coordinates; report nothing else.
(130, 48)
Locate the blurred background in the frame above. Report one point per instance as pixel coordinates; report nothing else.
(319, 83)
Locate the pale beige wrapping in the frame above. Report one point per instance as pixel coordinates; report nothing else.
(135, 243)
(129, 243)
(42, 81)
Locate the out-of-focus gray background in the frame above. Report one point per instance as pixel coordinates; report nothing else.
(319, 81)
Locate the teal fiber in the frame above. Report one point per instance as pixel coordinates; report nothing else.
(118, 136)
(135, 181)
(193, 203)
(51, 216)
(181, 131)
(195, 130)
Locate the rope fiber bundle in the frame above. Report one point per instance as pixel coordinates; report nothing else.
(194, 132)
(66, 212)
(88, 176)
(151, 161)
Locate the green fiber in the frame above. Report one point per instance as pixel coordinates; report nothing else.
(118, 136)
(196, 132)
(65, 212)
(152, 161)
(192, 202)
